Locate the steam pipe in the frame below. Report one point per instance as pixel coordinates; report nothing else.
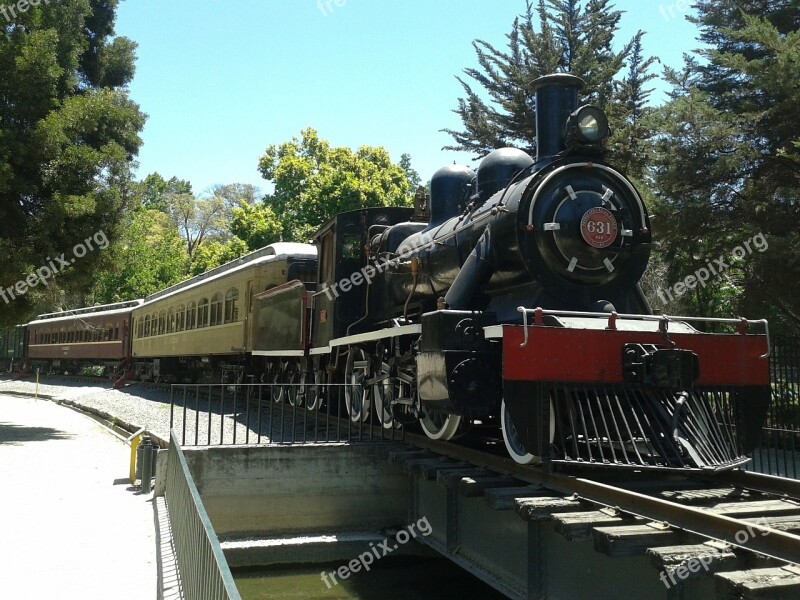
(476, 272)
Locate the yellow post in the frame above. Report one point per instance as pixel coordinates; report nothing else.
(36, 393)
(134, 441)
(134, 445)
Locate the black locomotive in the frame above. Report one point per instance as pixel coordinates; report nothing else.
(516, 305)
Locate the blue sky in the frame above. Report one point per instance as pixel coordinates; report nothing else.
(220, 80)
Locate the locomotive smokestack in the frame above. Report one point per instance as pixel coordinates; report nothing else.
(556, 100)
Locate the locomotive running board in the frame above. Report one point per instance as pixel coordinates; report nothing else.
(365, 338)
(374, 336)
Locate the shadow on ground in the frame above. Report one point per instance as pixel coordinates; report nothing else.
(17, 434)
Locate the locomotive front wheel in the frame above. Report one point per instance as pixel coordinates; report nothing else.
(356, 394)
(440, 425)
(514, 446)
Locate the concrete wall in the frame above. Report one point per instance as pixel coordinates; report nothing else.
(279, 490)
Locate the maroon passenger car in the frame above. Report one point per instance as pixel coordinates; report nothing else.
(71, 340)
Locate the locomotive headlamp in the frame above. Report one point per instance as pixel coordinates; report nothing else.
(588, 125)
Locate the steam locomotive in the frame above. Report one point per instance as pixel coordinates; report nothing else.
(515, 305)
(509, 300)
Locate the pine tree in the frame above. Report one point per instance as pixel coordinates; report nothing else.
(728, 165)
(631, 140)
(553, 36)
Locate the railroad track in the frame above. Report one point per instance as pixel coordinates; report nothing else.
(740, 525)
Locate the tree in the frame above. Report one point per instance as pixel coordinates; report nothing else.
(630, 142)
(256, 225)
(68, 136)
(412, 176)
(149, 256)
(314, 181)
(574, 37)
(197, 219)
(236, 194)
(155, 192)
(728, 166)
(214, 253)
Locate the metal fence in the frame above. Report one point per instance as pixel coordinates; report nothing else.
(779, 452)
(220, 414)
(299, 413)
(204, 572)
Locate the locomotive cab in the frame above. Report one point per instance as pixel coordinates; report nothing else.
(342, 298)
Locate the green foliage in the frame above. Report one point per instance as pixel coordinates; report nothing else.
(630, 144)
(314, 181)
(148, 257)
(154, 192)
(412, 176)
(236, 194)
(196, 219)
(785, 408)
(213, 253)
(93, 371)
(174, 235)
(68, 135)
(727, 162)
(574, 37)
(257, 226)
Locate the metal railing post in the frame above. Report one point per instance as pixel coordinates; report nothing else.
(202, 568)
(147, 463)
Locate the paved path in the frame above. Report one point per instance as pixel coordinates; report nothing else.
(71, 526)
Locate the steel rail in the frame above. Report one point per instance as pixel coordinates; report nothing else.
(757, 538)
(763, 483)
